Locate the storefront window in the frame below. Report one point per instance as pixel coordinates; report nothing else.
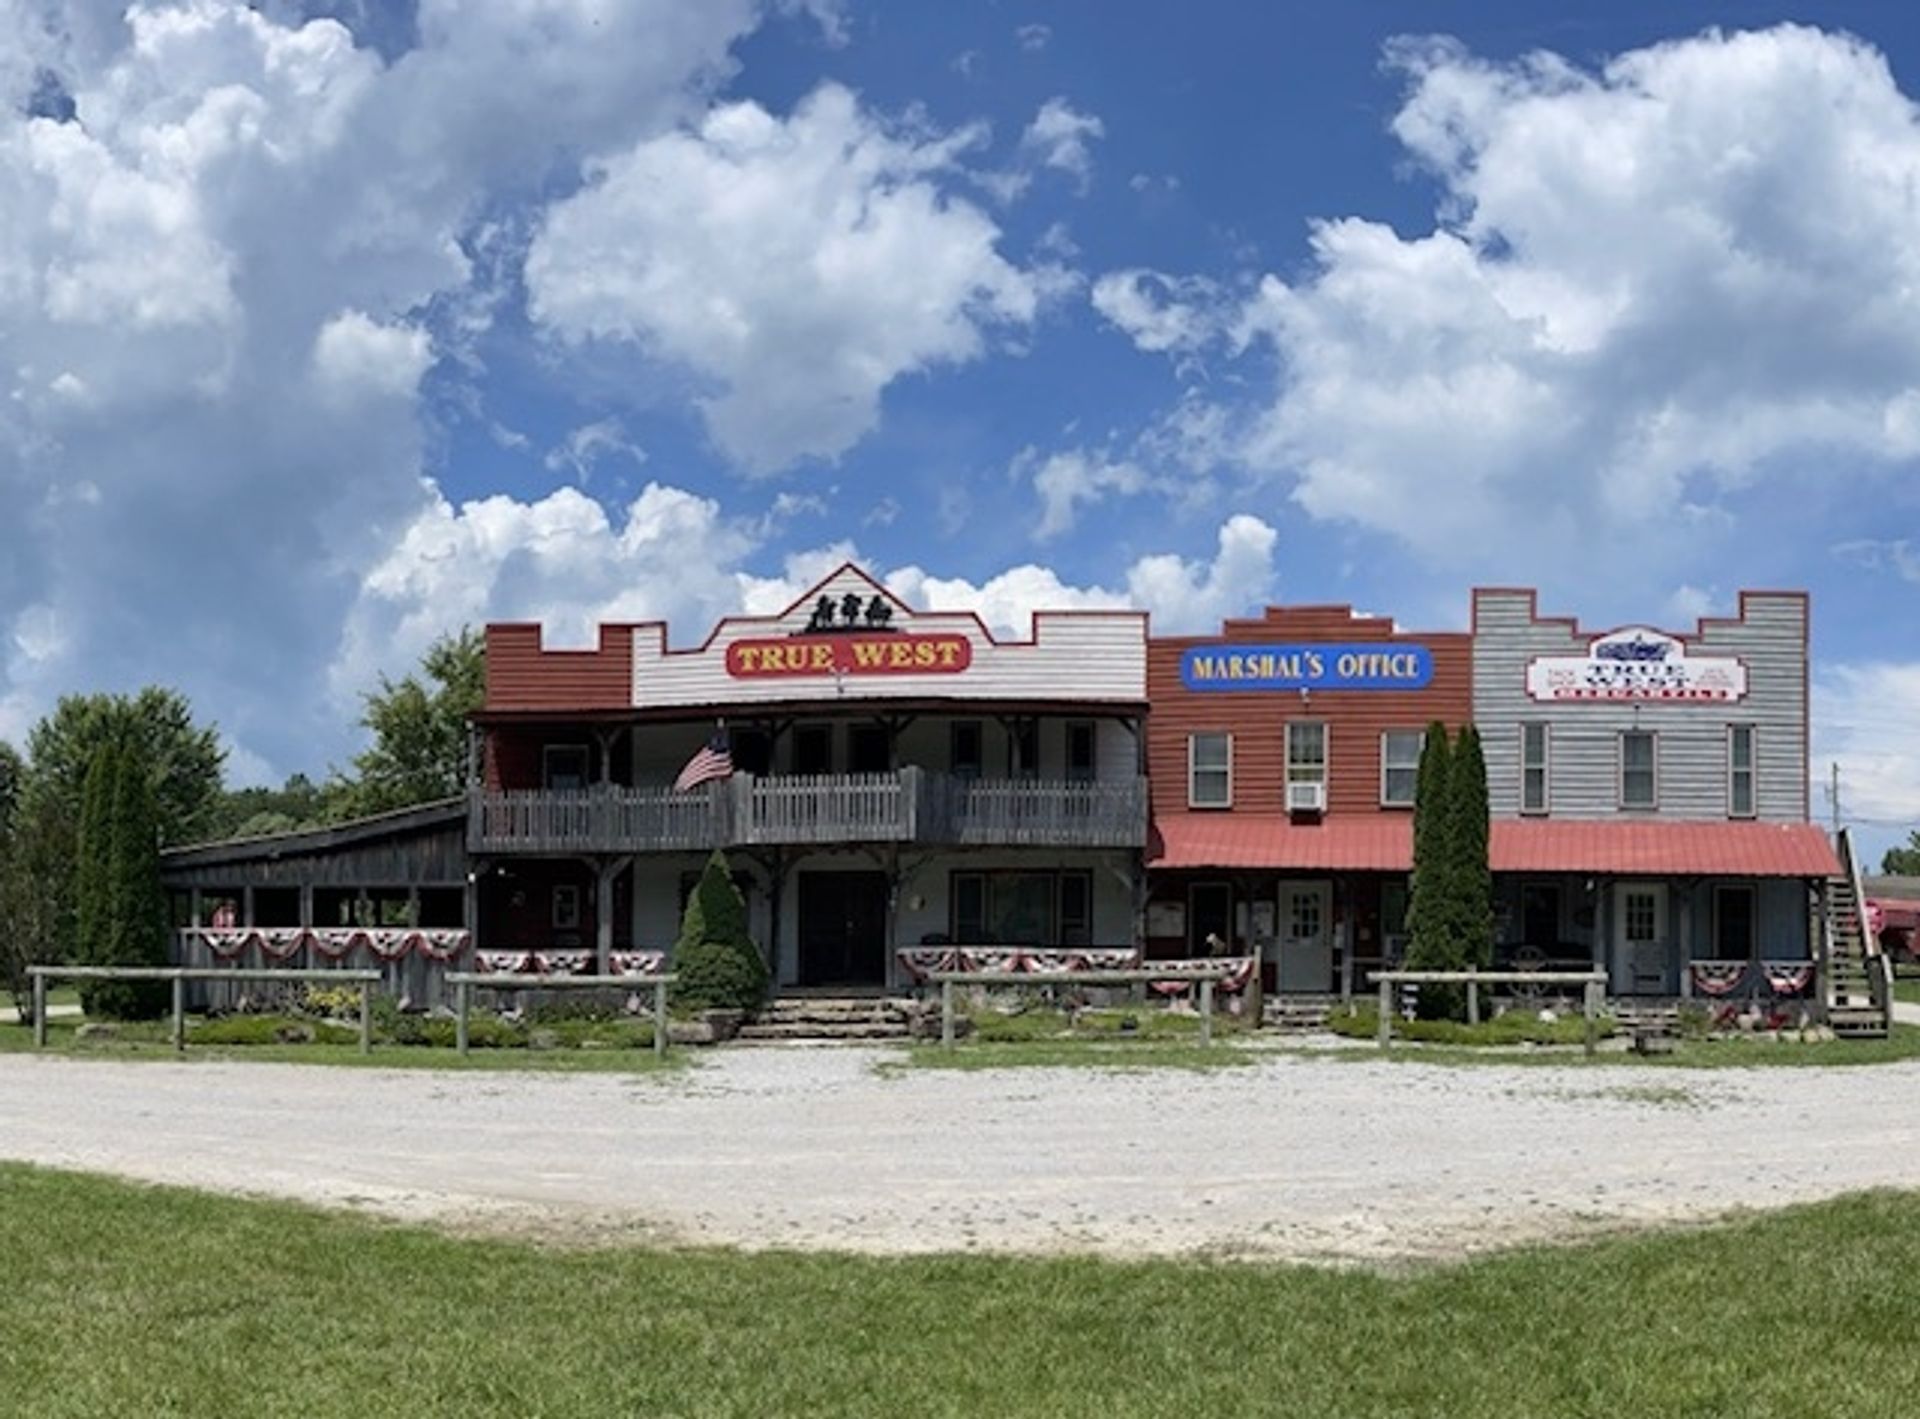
(1023, 908)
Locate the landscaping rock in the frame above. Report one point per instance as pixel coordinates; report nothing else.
(543, 1039)
(97, 1030)
(725, 1024)
(293, 1032)
(690, 1032)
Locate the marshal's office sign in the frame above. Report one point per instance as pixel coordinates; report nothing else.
(797, 657)
(1636, 664)
(1306, 667)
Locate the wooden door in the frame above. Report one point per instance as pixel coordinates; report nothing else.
(843, 928)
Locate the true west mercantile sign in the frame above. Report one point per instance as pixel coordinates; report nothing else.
(1306, 667)
(894, 653)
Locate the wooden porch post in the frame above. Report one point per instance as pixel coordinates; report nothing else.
(306, 904)
(607, 869)
(193, 907)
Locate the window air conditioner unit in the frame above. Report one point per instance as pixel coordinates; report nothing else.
(1306, 798)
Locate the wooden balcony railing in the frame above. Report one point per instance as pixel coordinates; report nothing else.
(910, 805)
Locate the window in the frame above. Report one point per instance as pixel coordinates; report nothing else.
(1641, 916)
(869, 749)
(813, 749)
(967, 752)
(1022, 908)
(1638, 782)
(1533, 768)
(1209, 914)
(1306, 751)
(564, 766)
(1210, 770)
(1740, 771)
(1080, 758)
(1023, 748)
(752, 751)
(1399, 766)
(566, 906)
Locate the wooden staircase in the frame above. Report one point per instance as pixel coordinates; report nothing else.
(1859, 991)
(855, 1017)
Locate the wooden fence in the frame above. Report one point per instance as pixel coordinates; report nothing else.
(1593, 983)
(178, 976)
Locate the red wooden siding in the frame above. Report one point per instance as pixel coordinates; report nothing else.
(521, 675)
(1355, 719)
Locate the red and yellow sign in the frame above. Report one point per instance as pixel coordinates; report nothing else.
(884, 654)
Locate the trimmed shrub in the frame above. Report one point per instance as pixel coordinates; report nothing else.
(121, 904)
(718, 966)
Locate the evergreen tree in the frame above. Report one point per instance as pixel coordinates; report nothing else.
(1426, 912)
(1471, 882)
(717, 964)
(94, 856)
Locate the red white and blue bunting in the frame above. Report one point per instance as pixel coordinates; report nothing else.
(1717, 977)
(919, 962)
(330, 943)
(1788, 977)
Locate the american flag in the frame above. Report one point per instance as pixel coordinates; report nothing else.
(714, 760)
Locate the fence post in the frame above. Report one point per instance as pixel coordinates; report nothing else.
(179, 1014)
(463, 996)
(946, 1014)
(1592, 1014)
(660, 1019)
(1385, 1023)
(366, 1017)
(39, 1011)
(1473, 1002)
(1206, 1011)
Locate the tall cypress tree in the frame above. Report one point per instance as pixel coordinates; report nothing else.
(121, 901)
(1471, 881)
(1426, 897)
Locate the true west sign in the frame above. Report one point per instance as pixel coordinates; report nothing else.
(1387, 666)
(849, 654)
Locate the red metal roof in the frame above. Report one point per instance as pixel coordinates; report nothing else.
(1384, 843)
(1646, 849)
(1376, 842)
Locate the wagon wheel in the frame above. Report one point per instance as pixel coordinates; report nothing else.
(1531, 994)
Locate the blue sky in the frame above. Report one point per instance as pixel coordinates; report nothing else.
(331, 326)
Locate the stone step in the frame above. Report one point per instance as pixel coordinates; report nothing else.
(844, 1030)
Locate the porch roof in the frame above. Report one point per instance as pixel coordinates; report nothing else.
(1384, 843)
(1380, 842)
(1654, 849)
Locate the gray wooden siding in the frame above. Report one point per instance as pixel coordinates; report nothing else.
(1691, 739)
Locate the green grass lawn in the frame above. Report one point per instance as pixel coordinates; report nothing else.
(337, 1045)
(133, 1300)
(1907, 988)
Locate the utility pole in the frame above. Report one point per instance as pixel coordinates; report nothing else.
(1833, 797)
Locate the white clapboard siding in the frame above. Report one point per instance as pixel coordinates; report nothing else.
(1691, 747)
(1073, 657)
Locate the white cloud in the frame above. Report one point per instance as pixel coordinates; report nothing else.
(1067, 480)
(1033, 38)
(1162, 313)
(1863, 721)
(797, 265)
(355, 357)
(1899, 555)
(1648, 285)
(584, 447)
(222, 293)
(1058, 138)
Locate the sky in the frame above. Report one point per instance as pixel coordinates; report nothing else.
(329, 327)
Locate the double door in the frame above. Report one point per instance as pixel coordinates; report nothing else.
(843, 928)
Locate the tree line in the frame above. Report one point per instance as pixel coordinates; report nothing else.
(105, 780)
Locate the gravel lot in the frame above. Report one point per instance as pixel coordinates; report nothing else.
(1303, 1156)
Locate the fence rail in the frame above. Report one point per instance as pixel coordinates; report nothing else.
(178, 976)
(1206, 977)
(905, 805)
(463, 983)
(1594, 983)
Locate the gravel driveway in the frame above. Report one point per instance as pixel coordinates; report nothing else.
(1303, 1156)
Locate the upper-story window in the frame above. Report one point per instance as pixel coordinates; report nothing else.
(1210, 770)
(1080, 750)
(1535, 752)
(869, 749)
(1740, 795)
(564, 766)
(1639, 778)
(1023, 748)
(1306, 764)
(968, 749)
(813, 748)
(1400, 766)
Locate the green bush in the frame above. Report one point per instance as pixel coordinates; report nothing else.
(713, 975)
(272, 1030)
(718, 966)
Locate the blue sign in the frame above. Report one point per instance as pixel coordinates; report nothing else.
(1380, 666)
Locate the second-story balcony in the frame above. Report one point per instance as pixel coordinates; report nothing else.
(909, 805)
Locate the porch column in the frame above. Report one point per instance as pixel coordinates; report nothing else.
(193, 907)
(246, 906)
(306, 904)
(413, 906)
(470, 902)
(1686, 943)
